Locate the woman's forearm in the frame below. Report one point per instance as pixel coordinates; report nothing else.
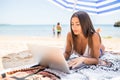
(90, 60)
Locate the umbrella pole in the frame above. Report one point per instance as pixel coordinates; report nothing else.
(74, 7)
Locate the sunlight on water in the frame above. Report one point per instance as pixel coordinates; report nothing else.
(46, 30)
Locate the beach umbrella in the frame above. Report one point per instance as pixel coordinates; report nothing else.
(90, 6)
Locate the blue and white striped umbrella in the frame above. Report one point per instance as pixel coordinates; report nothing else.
(90, 6)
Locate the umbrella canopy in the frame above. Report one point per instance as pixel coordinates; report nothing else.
(90, 6)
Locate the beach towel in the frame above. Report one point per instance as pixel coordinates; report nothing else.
(88, 72)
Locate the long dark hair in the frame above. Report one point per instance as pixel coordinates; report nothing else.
(87, 29)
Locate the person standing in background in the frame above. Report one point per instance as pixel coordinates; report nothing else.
(58, 29)
(53, 29)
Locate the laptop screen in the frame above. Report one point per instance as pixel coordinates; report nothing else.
(52, 56)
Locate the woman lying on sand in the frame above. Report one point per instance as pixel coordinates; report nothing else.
(84, 41)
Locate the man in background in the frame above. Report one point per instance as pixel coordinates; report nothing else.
(58, 29)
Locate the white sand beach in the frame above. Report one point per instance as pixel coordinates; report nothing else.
(12, 44)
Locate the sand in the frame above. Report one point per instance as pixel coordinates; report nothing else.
(14, 44)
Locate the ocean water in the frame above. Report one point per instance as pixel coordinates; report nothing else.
(46, 30)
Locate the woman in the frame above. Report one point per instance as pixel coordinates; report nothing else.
(82, 40)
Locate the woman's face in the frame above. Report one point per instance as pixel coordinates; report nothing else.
(76, 27)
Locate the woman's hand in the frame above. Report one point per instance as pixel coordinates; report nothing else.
(74, 63)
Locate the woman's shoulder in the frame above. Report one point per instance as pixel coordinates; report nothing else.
(69, 35)
(95, 36)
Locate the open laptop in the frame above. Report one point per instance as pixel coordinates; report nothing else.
(51, 56)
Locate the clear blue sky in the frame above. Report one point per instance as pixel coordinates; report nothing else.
(43, 12)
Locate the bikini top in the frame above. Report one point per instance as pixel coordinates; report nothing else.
(87, 51)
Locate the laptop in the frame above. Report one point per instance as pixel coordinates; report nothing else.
(50, 56)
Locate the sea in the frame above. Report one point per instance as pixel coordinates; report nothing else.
(46, 30)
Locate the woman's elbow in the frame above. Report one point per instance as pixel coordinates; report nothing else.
(97, 61)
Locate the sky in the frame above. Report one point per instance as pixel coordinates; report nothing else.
(43, 12)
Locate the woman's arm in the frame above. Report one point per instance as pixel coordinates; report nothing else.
(96, 50)
(94, 59)
(68, 47)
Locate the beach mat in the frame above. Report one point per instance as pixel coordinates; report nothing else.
(89, 72)
(33, 73)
